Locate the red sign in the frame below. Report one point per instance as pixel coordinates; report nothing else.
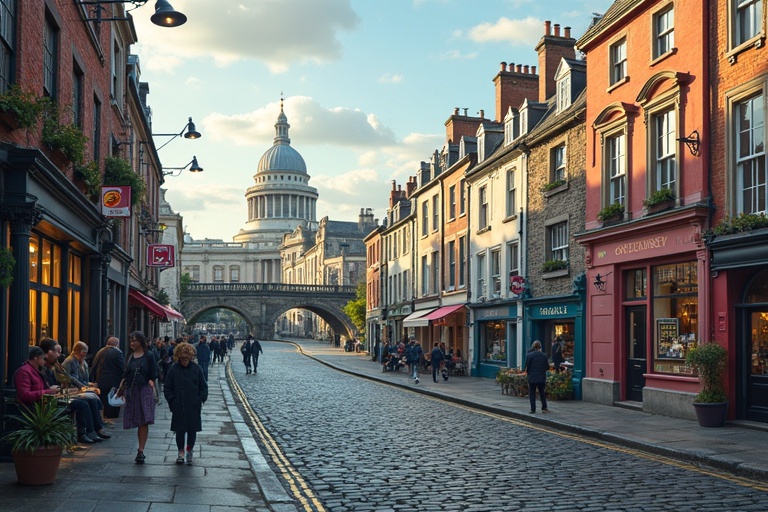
(161, 255)
(116, 201)
(517, 284)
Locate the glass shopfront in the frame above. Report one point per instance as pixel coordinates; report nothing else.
(675, 316)
(493, 341)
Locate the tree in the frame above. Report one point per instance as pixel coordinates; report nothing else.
(355, 309)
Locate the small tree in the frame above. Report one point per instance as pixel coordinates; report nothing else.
(355, 309)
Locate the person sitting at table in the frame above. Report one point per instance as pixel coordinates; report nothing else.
(29, 382)
(86, 406)
(77, 368)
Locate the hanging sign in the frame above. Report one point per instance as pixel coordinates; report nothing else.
(116, 201)
(517, 284)
(161, 255)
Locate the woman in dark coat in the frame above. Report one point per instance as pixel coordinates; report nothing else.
(185, 391)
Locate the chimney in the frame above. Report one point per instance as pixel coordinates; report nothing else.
(410, 187)
(459, 125)
(551, 49)
(513, 87)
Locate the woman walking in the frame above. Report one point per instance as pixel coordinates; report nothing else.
(138, 387)
(185, 391)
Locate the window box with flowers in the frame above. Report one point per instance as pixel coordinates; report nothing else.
(553, 187)
(662, 199)
(741, 223)
(20, 109)
(66, 139)
(554, 268)
(611, 214)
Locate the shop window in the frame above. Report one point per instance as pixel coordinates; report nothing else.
(493, 342)
(675, 316)
(559, 328)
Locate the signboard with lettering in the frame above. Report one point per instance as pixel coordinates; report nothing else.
(116, 201)
(161, 255)
(674, 241)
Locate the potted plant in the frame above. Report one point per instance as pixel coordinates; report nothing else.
(7, 263)
(711, 403)
(44, 430)
(69, 139)
(90, 176)
(611, 213)
(118, 171)
(660, 200)
(21, 109)
(741, 223)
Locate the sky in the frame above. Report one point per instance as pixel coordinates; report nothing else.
(367, 88)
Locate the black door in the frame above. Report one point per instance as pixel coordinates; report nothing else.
(636, 359)
(754, 355)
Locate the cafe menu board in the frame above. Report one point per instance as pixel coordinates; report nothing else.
(667, 338)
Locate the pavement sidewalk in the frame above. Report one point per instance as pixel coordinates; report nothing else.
(740, 447)
(229, 472)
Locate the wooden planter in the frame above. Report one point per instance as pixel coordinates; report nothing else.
(38, 467)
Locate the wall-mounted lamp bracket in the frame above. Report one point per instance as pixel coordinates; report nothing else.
(693, 141)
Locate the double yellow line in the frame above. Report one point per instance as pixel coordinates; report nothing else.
(297, 486)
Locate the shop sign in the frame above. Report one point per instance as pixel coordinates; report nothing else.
(116, 201)
(494, 313)
(517, 284)
(161, 255)
(674, 241)
(553, 311)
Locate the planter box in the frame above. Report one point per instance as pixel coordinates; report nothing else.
(711, 415)
(660, 207)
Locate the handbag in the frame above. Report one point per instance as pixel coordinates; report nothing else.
(113, 400)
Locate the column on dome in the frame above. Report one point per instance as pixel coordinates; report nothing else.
(301, 207)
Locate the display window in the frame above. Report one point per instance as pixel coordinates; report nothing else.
(675, 306)
(759, 353)
(493, 341)
(563, 329)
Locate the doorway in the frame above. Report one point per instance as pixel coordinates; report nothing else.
(636, 352)
(753, 354)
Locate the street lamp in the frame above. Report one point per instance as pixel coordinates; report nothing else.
(189, 131)
(165, 15)
(175, 171)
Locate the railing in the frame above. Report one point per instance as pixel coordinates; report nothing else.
(268, 287)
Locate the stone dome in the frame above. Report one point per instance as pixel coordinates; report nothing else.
(281, 156)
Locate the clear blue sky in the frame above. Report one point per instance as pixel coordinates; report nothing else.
(368, 86)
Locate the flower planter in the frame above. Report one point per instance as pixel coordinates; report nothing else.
(38, 467)
(660, 207)
(711, 415)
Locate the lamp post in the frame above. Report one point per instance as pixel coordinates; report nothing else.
(175, 171)
(165, 15)
(189, 132)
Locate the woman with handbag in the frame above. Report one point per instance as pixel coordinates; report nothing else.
(185, 391)
(138, 388)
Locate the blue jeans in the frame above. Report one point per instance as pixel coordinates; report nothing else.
(414, 370)
(87, 414)
(532, 387)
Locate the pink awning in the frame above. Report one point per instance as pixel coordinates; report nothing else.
(443, 311)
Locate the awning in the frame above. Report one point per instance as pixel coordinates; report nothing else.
(416, 319)
(155, 307)
(443, 311)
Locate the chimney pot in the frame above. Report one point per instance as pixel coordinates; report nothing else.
(456, 111)
(503, 66)
(533, 70)
(526, 69)
(557, 30)
(567, 32)
(547, 25)
(482, 114)
(465, 112)
(519, 68)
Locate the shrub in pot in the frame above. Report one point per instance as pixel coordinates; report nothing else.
(711, 403)
(41, 433)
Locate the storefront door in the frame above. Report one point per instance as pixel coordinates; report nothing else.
(755, 349)
(636, 352)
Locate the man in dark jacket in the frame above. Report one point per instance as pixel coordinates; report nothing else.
(412, 356)
(106, 372)
(204, 356)
(536, 366)
(436, 359)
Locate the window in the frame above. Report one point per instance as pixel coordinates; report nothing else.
(435, 272)
(462, 261)
(747, 20)
(563, 93)
(218, 273)
(234, 274)
(193, 271)
(675, 316)
(435, 213)
(424, 276)
(558, 163)
(663, 32)
(50, 56)
(664, 166)
(424, 218)
(618, 62)
(481, 291)
(558, 241)
(7, 42)
(751, 185)
(451, 265)
(511, 204)
(452, 202)
(405, 240)
(616, 169)
(513, 258)
(96, 129)
(496, 272)
(77, 95)
(462, 198)
(482, 209)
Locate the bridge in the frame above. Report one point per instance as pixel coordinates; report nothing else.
(261, 304)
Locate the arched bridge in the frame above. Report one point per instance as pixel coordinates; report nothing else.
(261, 304)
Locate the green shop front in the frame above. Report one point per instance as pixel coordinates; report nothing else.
(495, 339)
(549, 318)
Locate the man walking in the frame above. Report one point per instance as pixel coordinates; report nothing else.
(436, 359)
(412, 356)
(254, 349)
(536, 366)
(204, 356)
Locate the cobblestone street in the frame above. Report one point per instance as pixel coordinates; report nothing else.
(367, 446)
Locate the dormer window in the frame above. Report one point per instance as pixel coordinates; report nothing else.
(523, 121)
(564, 93)
(481, 148)
(510, 126)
